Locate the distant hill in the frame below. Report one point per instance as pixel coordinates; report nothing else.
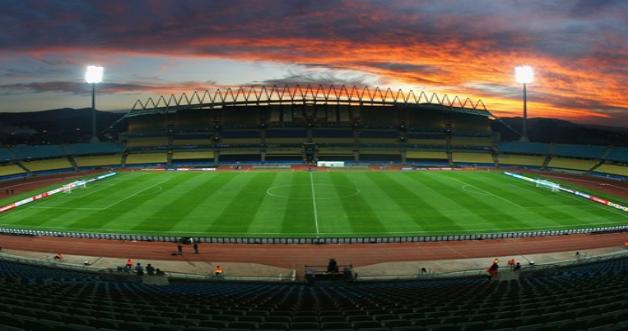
(549, 130)
(56, 126)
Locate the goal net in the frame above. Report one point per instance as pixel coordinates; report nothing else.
(554, 187)
(68, 188)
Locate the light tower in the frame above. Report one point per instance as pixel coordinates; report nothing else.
(93, 75)
(524, 75)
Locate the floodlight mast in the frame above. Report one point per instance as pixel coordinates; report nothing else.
(524, 75)
(93, 76)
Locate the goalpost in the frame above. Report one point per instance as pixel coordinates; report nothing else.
(68, 188)
(548, 185)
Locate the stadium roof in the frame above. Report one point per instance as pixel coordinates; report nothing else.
(302, 95)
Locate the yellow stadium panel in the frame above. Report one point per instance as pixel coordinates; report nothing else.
(472, 157)
(380, 151)
(146, 158)
(431, 155)
(288, 151)
(346, 141)
(98, 160)
(471, 141)
(239, 151)
(241, 141)
(427, 142)
(11, 169)
(183, 142)
(335, 151)
(576, 164)
(613, 169)
(298, 140)
(50, 164)
(147, 142)
(200, 155)
(526, 160)
(378, 141)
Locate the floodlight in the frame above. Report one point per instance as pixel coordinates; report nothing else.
(93, 74)
(524, 74)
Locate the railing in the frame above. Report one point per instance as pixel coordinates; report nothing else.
(374, 239)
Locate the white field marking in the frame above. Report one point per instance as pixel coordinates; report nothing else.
(132, 195)
(67, 208)
(486, 192)
(440, 232)
(314, 203)
(270, 192)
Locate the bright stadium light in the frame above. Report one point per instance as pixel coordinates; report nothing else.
(93, 75)
(524, 75)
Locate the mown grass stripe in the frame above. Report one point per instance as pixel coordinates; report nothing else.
(422, 213)
(492, 213)
(240, 212)
(361, 216)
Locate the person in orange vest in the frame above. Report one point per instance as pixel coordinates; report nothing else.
(59, 257)
(218, 271)
(511, 263)
(129, 263)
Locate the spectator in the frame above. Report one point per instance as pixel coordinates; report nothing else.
(309, 275)
(332, 266)
(517, 267)
(129, 264)
(139, 270)
(150, 270)
(195, 248)
(218, 271)
(492, 270)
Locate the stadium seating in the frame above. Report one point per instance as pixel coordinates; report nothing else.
(11, 169)
(523, 160)
(471, 141)
(146, 158)
(568, 163)
(5, 155)
(286, 136)
(426, 142)
(89, 149)
(579, 151)
(147, 142)
(191, 142)
(192, 155)
(582, 297)
(24, 152)
(428, 155)
(475, 158)
(49, 164)
(98, 160)
(619, 154)
(613, 169)
(523, 148)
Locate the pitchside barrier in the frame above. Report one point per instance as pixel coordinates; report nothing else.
(326, 240)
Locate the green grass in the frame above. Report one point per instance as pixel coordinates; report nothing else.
(311, 204)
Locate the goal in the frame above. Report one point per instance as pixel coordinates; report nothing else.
(68, 188)
(548, 185)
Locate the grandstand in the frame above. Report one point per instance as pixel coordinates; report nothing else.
(48, 164)
(589, 296)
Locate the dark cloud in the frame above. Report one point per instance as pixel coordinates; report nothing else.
(114, 88)
(315, 79)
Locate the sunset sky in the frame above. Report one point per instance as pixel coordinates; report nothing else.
(579, 50)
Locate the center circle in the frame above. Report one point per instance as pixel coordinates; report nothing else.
(304, 191)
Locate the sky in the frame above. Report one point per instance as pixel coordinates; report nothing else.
(578, 49)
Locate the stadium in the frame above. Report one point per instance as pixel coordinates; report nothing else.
(413, 195)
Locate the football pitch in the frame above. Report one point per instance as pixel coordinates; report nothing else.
(311, 204)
